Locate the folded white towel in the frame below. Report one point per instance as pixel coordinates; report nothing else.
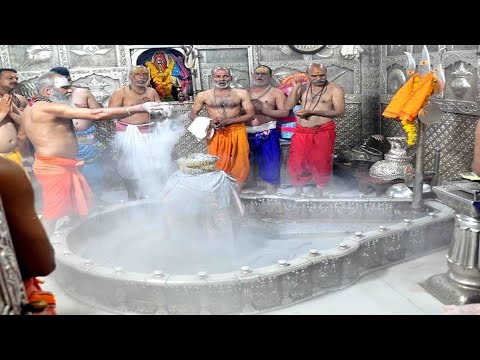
(200, 127)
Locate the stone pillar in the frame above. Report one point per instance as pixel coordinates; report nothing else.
(461, 284)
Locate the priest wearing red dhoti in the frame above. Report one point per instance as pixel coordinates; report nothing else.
(313, 144)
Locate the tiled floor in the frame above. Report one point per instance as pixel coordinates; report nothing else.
(391, 291)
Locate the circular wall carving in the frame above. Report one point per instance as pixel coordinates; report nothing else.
(307, 49)
(395, 80)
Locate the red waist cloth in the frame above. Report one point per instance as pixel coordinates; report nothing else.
(287, 119)
(64, 188)
(315, 130)
(311, 154)
(121, 126)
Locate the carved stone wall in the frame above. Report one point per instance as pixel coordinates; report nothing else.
(104, 68)
(370, 65)
(369, 81)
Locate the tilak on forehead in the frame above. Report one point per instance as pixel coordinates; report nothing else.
(317, 69)
(60, 82)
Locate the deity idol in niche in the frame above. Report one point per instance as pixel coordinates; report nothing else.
(169, 75)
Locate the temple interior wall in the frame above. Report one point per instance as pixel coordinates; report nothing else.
(369, 80)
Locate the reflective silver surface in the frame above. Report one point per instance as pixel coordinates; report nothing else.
(461, 284)
(249, 289)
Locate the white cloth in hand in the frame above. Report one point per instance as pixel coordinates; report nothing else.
(200, 127)
(166, 110)
(153, 107)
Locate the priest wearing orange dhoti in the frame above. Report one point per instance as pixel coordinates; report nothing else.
(48, 125)
(229, 109)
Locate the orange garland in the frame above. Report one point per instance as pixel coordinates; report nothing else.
(162, 79)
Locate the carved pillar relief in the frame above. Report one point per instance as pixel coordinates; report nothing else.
(100, 83)
(237, 58)
(369, 90)
(461, 82)
(4, 57)
(33, 57)
(92, 56)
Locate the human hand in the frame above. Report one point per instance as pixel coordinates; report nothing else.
(166, 110)
(257, 106)
(215, 123)
(302, 113)
(297, 81)
(5, 106)
(224, 123)
(153, 107)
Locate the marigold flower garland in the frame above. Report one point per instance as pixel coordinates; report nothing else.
(410, 126)
(162, 79)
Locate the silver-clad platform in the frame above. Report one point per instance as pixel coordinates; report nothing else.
(254, 290)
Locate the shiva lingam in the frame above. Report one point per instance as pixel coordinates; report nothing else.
(461, 284)
(396, 164)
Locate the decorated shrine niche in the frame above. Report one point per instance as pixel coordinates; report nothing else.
(170, 76)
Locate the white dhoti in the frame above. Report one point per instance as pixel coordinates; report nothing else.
(144, 153)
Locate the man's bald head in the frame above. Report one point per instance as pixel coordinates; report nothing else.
(317, 74)
(316, 69)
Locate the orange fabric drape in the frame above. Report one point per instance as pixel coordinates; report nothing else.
(230, 144)
(411, 97)
(65, 190)
(35, 293)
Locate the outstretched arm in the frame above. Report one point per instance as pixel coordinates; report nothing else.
(35, 254)
(69, 112)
